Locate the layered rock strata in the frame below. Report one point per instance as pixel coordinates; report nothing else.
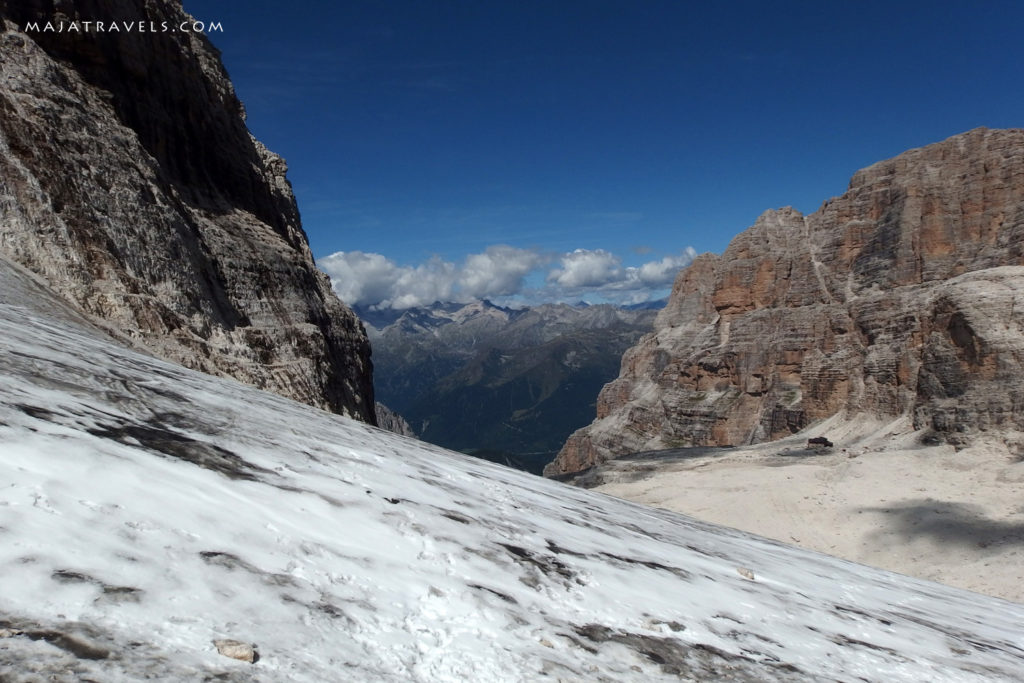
(904, 296)
(130, 183)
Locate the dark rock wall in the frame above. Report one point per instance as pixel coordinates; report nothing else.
(129, 181)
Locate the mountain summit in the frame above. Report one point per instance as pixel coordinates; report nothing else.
(904, 296)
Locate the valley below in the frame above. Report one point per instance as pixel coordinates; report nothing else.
(878, 497)
(502, 384)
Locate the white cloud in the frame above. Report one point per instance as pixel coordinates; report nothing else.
(357, 276)
(598, 271)
(499, 272)
(374, 280)
(587, 268)
(423, 285)
(663, 273)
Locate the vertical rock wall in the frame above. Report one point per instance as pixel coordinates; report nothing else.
(130, 183)
(904, 296)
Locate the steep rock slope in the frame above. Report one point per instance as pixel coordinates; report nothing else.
(392, 421)
(128, 180)
(148, 511)
(509, 385)
(901, 297)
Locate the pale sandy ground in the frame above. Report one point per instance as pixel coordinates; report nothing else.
(877, 498)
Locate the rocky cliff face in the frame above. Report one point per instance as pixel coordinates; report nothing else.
(904, 296)
(129, 181)
(391, 421)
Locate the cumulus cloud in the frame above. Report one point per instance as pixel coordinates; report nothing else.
(356, 275)
(585, 268)
(662, 273)
(426, 283)
(374, 280)
(499, 272)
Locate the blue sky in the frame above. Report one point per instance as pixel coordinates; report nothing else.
(578, 149)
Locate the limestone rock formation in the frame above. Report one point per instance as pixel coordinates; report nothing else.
(130, 183)
(904, 296)
(393, 422)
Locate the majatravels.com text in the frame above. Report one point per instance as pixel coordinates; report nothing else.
(123, 27)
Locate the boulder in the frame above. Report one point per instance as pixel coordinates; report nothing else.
(236, 649)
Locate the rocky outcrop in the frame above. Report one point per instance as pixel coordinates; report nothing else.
(904, 296)
(393, 422)
(130, 183)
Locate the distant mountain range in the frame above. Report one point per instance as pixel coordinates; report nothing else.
(504, 384)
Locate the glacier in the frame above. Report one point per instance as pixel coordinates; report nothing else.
(147, 510)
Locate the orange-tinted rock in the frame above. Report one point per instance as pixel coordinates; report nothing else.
(903, 296)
